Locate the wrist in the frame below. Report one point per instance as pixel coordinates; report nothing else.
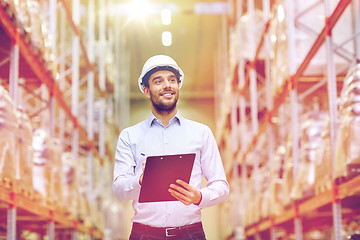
(198, 202)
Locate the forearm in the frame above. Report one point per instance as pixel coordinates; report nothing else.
(126, 188)
(215, 193)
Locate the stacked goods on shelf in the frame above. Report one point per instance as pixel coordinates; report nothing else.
(352, 227)
(75, 188)
(24, 154)
(278, 49)
(276, 190)
(253, 211)
(323, 175)
(347, 153)
(8, 138)
(70, 192)
(31, 18)
(100, 203)
(311, 130)
(82, 203)
(264, 191)
(250, 203)
(46, 166)
(298, 70)
(283, 175)
(254, 24)
(310, 21)
(261, 153)
(56, 192)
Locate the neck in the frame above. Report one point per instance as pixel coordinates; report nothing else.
(164, 116)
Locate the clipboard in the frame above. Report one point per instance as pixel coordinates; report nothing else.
(160, 172)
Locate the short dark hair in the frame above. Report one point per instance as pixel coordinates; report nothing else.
(145, 79)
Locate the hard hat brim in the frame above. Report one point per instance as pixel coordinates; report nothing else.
(181, 77)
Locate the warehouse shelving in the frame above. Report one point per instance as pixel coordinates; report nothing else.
(233, 125)
(338, 193)
(22, 203)
(45, 213)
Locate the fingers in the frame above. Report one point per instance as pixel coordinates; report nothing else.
(142, 175)
(184, 184)
(185, 193)
(141, 179)
(143, 165)
(182, 198)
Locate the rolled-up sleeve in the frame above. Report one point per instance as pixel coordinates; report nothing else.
(126, 182)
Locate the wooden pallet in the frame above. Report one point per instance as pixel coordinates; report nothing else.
(27, 193)
(7, 182)
(353, 170)
(324, 186)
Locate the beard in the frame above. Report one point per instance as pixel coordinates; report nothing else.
(163, 107)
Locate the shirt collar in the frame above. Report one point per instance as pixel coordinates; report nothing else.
(151, 119)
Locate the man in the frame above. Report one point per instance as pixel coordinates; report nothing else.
(166, 132)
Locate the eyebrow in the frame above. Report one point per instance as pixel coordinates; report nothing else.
(171, 75)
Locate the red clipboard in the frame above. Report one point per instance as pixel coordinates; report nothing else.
(160, 172)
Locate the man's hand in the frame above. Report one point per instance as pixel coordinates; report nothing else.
(141, 176)
(185, 193)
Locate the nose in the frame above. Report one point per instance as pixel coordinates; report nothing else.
(166, 83)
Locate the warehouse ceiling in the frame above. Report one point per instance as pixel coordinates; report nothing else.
(195, 39)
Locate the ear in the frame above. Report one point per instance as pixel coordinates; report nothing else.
(147, 92)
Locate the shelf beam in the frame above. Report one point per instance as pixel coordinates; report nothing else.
(44, 211)
(343, 191)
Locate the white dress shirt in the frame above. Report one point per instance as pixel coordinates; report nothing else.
(151, 137)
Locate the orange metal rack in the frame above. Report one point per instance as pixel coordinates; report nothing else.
(45, 212)
(345, 190)
(32, 207)
(42, 74)
(338, 192)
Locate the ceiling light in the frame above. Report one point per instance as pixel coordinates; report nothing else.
(281, 13)
(139, 8)
(166, 38)
(166, 16)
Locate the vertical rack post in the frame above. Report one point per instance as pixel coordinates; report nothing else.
(234, 150)
(269, 98)
(290, 22)
(75, 86)
(75, 78)
(253, 95)
(356, 16)
(90, 97)
(332, 97)
(14, 71)
(62, 40)
(51, 230)
(53, 36)
(241, 198)
(11, 223)
(102, 79)
(244, 144)
(13, 90)
(253, 78)
(118, 71)
(102, 75)
(235, 145)
(74, 235)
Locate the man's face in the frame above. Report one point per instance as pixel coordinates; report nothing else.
(163, 91)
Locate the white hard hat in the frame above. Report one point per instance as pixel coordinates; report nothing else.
(159, 61)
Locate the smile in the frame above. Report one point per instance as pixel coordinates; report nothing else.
(167, 94)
